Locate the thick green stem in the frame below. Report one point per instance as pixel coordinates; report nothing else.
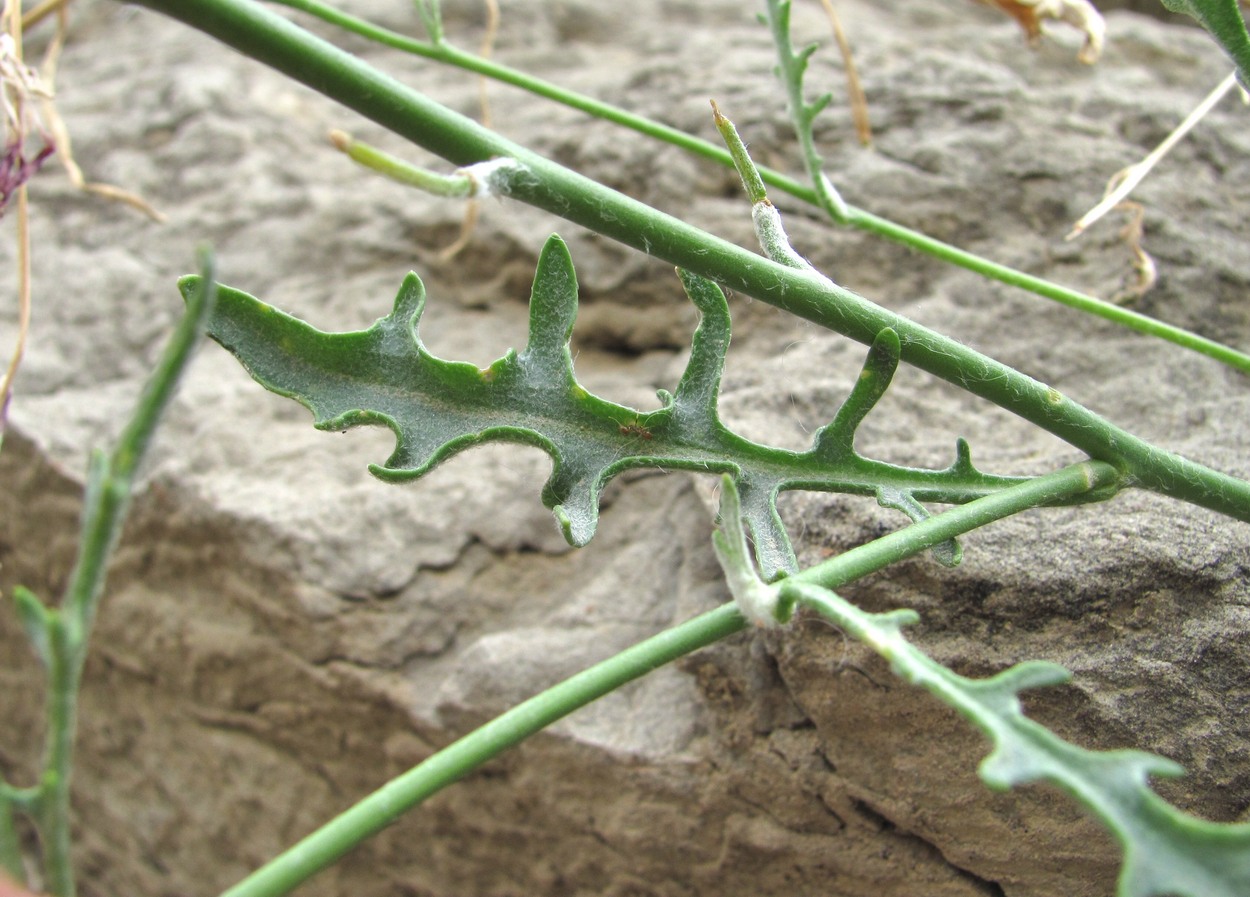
(845, 213)
(284, 46)
(324, 846)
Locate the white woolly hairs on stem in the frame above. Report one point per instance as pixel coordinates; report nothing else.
(492, 178)
(773, 240)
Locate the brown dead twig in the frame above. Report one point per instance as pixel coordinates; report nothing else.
(19, 85)
(1124, 181)
(56, 124)
(469, 224)
(854, 89)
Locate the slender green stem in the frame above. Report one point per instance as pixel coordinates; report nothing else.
(457, 186)
(108, 490)
(1108, 311)
(769, 230)
(284, 46)
(61, 634)
(10, 844)
(791, 67)
(53, 804)
(845, 213)
(742, 162)
(324, 846)
(1086, 478)
(381, 808)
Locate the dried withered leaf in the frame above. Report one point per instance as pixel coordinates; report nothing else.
(1077, 13)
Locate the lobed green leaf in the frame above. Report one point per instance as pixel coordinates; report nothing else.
(1167, 853)
(436, 408)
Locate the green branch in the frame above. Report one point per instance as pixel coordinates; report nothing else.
(59, 635)
(284, 46)
(792, 67)
(825, 198)
(368, 817)
(327, 844)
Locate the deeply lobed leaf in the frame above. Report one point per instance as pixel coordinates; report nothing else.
(1167, 853)
(385, 376)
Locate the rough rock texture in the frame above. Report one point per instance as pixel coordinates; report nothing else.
(282, 633)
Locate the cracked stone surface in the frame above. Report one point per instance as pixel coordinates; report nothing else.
(282, 633)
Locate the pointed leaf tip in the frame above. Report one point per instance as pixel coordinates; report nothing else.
(187, 286)
(963, 457)
(553, 309)
(409, 301)
(578, 519)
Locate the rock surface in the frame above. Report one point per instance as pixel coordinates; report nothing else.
(283, 633)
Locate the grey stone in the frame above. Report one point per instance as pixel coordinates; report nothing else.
(282, 633)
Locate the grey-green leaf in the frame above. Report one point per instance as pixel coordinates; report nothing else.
(1167, 853)
(384, 376)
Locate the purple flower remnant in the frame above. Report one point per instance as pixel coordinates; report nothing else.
(19, 86)
(16, 169)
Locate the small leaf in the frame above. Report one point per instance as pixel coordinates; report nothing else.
(34, 616)
(757, 602)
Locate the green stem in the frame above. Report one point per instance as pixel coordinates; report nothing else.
(1108, 311)
(844, 213)
(284, 46)
(826, 197)
(324, 846)
(742, 162)
(381, 808)
(108, 488)
(10, 844)
(1052, 488)
(790, 69)
(52, 807)
(456, 186)
(68, 628)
